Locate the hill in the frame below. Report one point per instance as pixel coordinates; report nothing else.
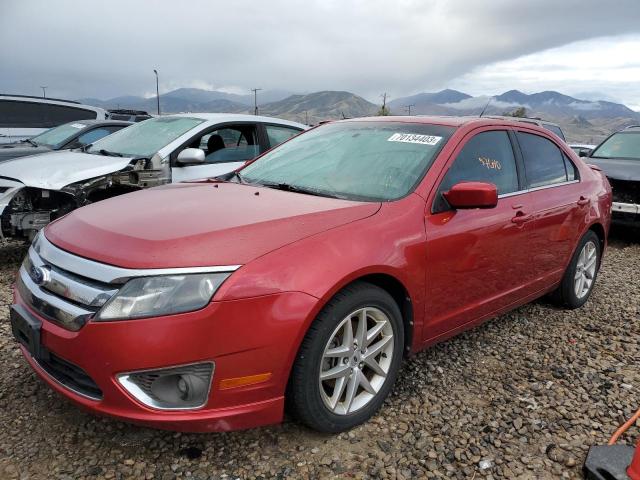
(190, 100)
(320, 106)
(584, 121)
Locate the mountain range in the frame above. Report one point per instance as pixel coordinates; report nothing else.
(583, 120)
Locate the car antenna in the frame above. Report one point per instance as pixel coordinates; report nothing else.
(485, 107)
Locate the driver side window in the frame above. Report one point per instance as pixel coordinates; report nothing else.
(232, 143)
(487, 157)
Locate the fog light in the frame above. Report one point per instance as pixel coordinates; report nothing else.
(175, 388)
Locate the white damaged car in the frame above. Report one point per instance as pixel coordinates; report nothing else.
(37, 189)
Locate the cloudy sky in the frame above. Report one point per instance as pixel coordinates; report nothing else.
(105, 49)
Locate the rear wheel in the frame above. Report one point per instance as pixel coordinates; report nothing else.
(348, 360)
(580, 277)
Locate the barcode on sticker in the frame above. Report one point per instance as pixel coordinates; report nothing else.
(414, 138)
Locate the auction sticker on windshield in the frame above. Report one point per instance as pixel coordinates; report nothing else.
(414, 138)
(77, 125)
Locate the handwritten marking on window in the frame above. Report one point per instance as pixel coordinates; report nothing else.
(490, 163)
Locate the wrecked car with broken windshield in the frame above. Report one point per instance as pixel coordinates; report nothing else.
(36, 190)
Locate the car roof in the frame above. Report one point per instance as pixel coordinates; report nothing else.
(101, 122)
(534, 120)
(54, 101)
(236, 117)
(581, 145)
(451, 121)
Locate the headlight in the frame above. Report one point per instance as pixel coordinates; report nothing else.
(164, 295)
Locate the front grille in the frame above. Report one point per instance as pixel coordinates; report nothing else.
(70, 376)
(59, 295)
(625, 191)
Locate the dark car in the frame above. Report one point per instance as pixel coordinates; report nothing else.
(70, 135)
(128, 115)
(619, 158)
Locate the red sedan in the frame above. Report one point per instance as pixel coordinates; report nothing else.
(304, 278)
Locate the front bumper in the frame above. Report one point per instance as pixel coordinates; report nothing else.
(625, 207)
(243, 338)
(625, 213)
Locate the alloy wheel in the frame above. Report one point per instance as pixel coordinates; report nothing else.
(585, 269)
(356, 360)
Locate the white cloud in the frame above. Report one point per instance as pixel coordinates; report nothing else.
(102, 49)
(481, 102)
(605, 68)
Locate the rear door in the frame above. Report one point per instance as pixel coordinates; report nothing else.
(559, 210)
(477, 259)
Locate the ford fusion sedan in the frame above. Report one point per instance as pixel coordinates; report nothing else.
(75, 134)
(36, 190)
(303, 279)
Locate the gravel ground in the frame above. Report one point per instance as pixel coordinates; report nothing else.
(522, 396)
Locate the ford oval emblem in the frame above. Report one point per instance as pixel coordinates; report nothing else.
(39, 275)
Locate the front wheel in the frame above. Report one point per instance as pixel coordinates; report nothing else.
(348, 361)
(580, 277)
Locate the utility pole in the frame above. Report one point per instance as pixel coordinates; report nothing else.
(408, 108)
(157, 91)
(44, 91)
(255, 100)
(306, 117)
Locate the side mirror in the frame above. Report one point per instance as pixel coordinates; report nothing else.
(584, 153)
(472, 195)
(190, 156)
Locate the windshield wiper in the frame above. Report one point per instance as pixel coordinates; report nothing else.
(28, 140)
(296, 189)
(108, 153)
(237, 176)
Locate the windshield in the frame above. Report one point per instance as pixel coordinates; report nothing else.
(620, 145)
(58, 135)
(376, 161)
(144, 139)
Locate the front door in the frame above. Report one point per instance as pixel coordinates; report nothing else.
(477, 259)
(226, 149)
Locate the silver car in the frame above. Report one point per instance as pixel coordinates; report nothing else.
(37, 189)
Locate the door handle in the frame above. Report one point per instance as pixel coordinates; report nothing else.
(521, 218)
(583, 201)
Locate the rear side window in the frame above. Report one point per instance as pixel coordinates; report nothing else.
(544, 162)
(18, 114)
(572, 171)
(487, 157)
(555, 129)
(277, 135)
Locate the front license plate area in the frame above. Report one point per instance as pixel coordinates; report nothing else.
(26, 330)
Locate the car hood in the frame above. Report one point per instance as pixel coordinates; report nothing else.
(198, 224)
(54, 170)
(15, 150)
(618, 169)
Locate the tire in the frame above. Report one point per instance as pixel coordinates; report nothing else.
(325, 405)
(566, 294)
